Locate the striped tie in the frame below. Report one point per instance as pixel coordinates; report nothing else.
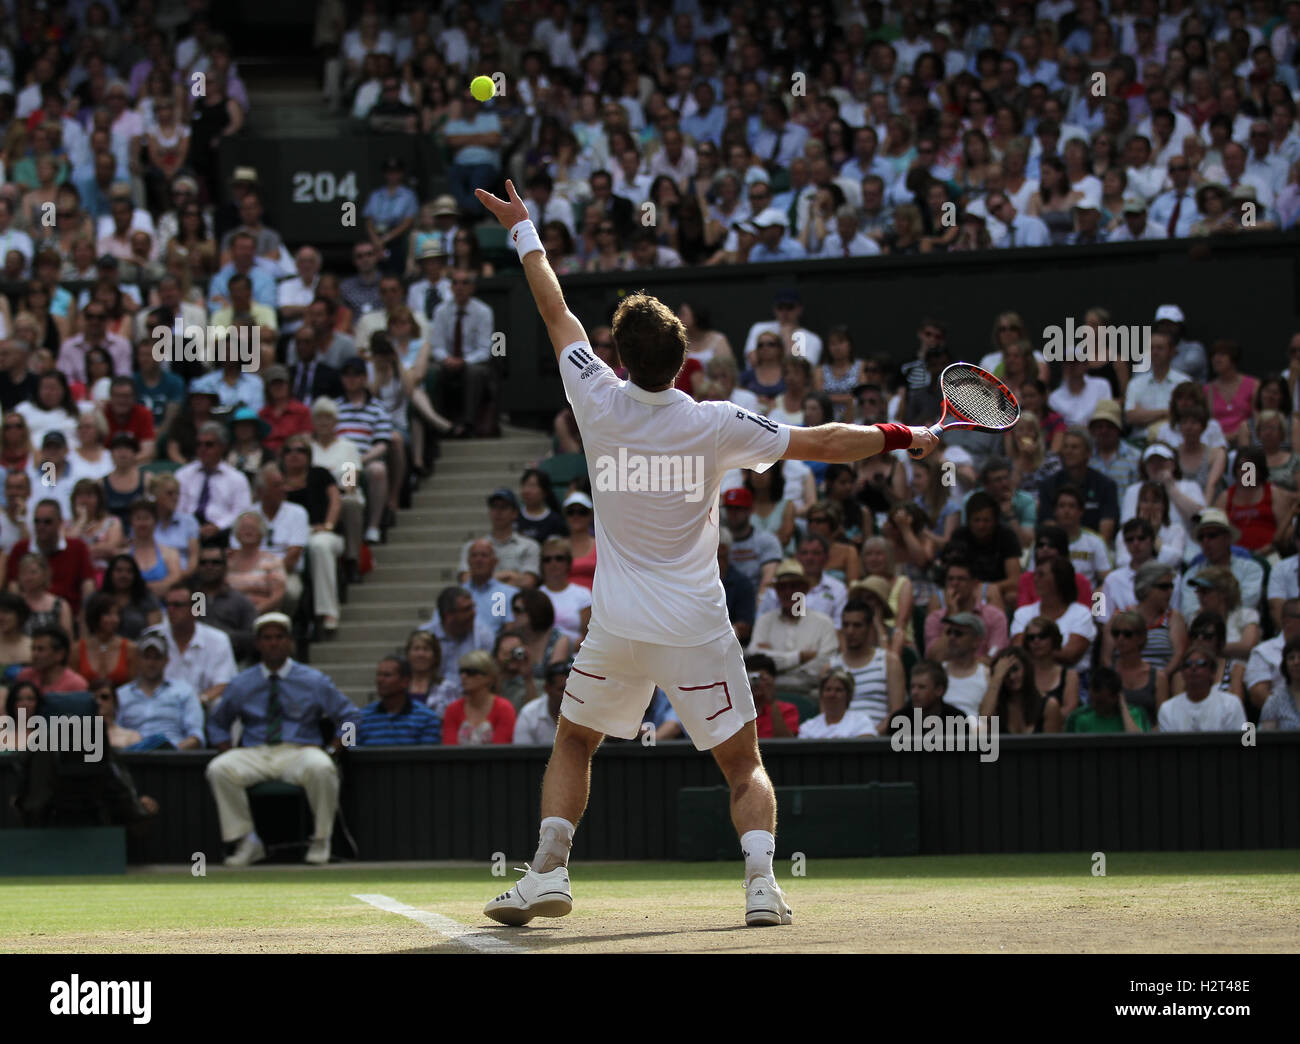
(274, 712)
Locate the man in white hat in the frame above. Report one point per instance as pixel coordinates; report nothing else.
(282, 705)
(1218, 539)
(800, 639)
(1087, 222)
(1189, 356)
(773, 243)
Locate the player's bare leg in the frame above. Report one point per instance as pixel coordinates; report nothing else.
(753, 812)
(544, 889)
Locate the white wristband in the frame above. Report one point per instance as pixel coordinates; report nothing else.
(525, 238)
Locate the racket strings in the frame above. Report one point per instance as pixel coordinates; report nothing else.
(978, 398)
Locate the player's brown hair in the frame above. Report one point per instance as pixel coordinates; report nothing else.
(650, 339)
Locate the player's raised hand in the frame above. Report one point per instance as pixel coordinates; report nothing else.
(924, 442)
(509, 211)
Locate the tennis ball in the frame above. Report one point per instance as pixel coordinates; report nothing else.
(482, 88)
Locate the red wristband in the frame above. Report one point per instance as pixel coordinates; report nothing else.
(897, 436)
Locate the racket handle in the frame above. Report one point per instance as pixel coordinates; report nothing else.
(936, 430)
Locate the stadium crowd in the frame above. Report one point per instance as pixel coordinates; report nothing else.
(1123, 560)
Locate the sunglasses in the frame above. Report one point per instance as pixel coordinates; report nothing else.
(470, 671)
(1203, 635)
(555, 558)
(1166, 586)
(201, 442)
(297, 449)
(1197, 664)
(178, 605)
(1034, 636)
(1122, 632)
(212, 561)
(955, 632)
(576, 510)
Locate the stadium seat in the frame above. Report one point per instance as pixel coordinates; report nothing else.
(564, 468)
(492, 241)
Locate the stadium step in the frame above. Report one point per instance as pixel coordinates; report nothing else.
(421, 554)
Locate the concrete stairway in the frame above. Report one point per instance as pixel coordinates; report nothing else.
(420, 558)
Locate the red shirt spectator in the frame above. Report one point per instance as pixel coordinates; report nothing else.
(70, 568)
(501, 718)
(139, 422)
(288, 418)
(68, 681)
(763, 723)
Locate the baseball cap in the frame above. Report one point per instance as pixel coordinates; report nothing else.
(445, 205)
(325, 405)
(55, 438)
(152, 640)
(185, 182)
(1200, 581)
(739, 497)
(772, 216)
(578, 498)
(1171, 313)
(353, 365)
(1134, 205)
(276, 372)
(971, 621)
(431, 249)
(1090, 201)
(244, 174)
(506, 494)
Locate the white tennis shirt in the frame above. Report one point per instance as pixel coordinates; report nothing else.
(656, 461)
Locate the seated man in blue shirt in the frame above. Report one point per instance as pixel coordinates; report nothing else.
(281, 705)
(394, 717)
(166, 713)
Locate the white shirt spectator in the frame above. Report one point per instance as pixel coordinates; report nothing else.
(859, 246)
(557, 209)
(208, 660)
(568, 605)
(291, 527)
(1025, 231)
(854, 723)
(1283, 581)
(1120, 594)
(1077, 619)
(812, 344)
(294, 293)
(1220, 711)
(966, 693)
(1078, 409)
(1146, 391)
(1089, 556)
(534, 725)
(828, 596)
(1122, 234)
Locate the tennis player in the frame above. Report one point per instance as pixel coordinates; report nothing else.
(659, 615)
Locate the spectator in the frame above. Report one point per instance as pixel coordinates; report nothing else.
(233, 385)
(788, 309)
(1032, 464)
(52, 409)
(394, 718)
(165, 712)
(1012, 696)
(928, 685)
(182, 437)
(1146, 401)
(461, 336)
(578, 515)
(518, 684)
(474, 139)
(125, 584)
(479, 716)
(492, 598)
(1282, 708)
(825, 593)
(323, 339)
(1263, 674)
(427, 685)
(989, 546)
(1088, 552)
(1231, 392)
(52, 471)
(179, 532)
(1205, 706)
(49, 667)
(1283, 462)
(211, 490)
(1108, 709)
(968, 678)
(535, 623)
(1202, 463)
(15, 645)
(1208, 632)
(1218, 538)
(282, 413)
(159, 564)
(1113, 457)
(227, 609)
(1262, 512)
(73, 352)
(281, 705)
(256, 573)
(961, 594)
(539, 511)
(1101, 499)
(800, 644)
(21, 704)
(1017, 508)
(43, 607)
(738, 590)
(389, 213)
(90, 458)
(518, 557)
(825, 519)
(1217, 591)
(1058, 602)
(102, 652)
(92, 524)
(836, 720)
(539, 717)
(71, 571)
(456, 626)
(363, 420)
(342, 459)
(294, 295)
(776, 718)
(571, 601)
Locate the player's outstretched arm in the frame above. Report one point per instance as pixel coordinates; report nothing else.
(561, 324)
(846, 443)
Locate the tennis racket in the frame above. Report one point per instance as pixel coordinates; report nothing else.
(974, 398)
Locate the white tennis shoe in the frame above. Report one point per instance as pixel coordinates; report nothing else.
(765, 903)
(533, 895)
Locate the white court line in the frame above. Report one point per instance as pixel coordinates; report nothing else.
(444, 926)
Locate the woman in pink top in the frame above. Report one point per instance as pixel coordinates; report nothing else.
(1231, 393)
(578, 513)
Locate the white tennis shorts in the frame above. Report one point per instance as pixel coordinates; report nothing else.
(613, 680)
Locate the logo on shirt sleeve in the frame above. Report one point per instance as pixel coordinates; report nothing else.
(586, 363)
(762, 422)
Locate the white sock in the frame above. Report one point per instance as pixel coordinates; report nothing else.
(757, 847)
(555, 840)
